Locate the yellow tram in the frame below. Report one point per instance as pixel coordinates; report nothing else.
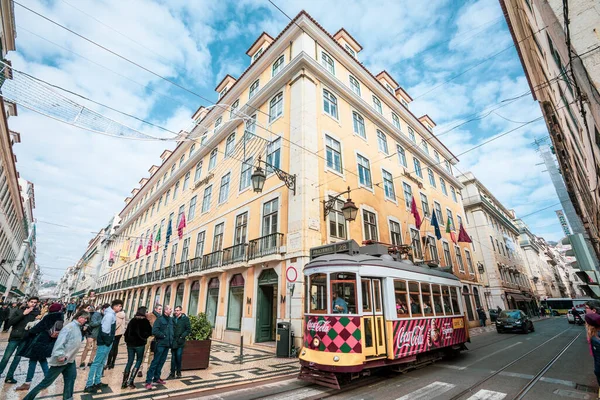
(367, 309)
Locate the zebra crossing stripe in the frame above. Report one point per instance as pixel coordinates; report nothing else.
(428, 392)
(487, 395)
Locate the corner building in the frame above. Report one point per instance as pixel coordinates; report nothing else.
(307, 106)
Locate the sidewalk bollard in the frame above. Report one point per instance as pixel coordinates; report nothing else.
(241, 349)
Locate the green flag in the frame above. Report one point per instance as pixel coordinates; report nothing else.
(448, 229)
(157, 240)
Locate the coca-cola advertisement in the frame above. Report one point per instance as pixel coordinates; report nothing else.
(420, 335)
(333, 334)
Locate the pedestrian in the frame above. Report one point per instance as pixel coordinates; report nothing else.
(163, 336)
(4, 311)
(592, 326)
(90, 331)
(70, 309)
(11, 312)
(40, 340)
(19, 320)
(114, 351)
(181, 330)
(481, 315)
(550, 310)
(136, 336)
(105, 338)
(592, 306)
(62, 359)
(148, 351)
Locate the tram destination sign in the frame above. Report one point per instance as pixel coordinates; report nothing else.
(347, 247)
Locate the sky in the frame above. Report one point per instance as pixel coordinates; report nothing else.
(455, 59)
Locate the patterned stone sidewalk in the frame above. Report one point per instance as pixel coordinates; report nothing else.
(225, 370)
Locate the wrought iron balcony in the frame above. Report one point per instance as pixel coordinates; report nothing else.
(233, 254)
(265, 245)
(195, 264)
(212, 260)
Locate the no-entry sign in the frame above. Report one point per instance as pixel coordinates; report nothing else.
(291, 274)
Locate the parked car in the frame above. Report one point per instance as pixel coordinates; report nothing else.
(514, 320)
(570, 317)
(575, 319)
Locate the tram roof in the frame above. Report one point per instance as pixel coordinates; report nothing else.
(339, 259)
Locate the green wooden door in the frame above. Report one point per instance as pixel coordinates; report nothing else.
(266, 306)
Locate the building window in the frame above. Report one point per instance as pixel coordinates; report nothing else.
(218, 237)
(212, 300)
(459, 260)
(438, 212)
(396, 121)
(330, 104)
(424, 146)
(253, 88)
(401, 155)
(437, 156)
(250, 130)
(246, 174)
(447, 164)
(364, 171)
(274, 155)
(377, 105)
(241, 228)
(355, 85)
(453, 194)
(447, 257)
(450, 219)
(459, 220)
(173, 254)
(388, 185)
(493, 246)
(370, 225)
(431, 177)
(337, 223)
(425, 205)
(276, 107)
(230, 145)
(327, 62)
(469, 262)
(212, 162)
(218, 122)
(186, 181)
(415, 241)
(333, 152)
(277, 66)
(175, 190)
(270, 217)
(417, 165)
(181, 160)
(411, 134)
(185, 251)
(233, 109)
(192, 210)
(257, 54)
(193, 299)
(224, 189)
(432, 246)
(359, 124)
(192, 148)
(443, 186)
(206, 199)
(200, 244)
(349, 50)
(407, 194)
(382, 142)
(395, 233)
(236, 302)
(198, 172)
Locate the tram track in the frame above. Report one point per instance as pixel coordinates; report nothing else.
(470, 390)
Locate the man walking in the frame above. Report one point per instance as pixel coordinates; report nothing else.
(481, 315)
(181, 330)
(105, 339)
(62, 360)
(163, 336)
(152, 317)
(70, 309)
(18, 321)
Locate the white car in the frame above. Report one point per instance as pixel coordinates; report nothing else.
(570, 317)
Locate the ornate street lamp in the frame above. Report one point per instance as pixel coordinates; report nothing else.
(259, 177)
(480, 268)
(349, 209)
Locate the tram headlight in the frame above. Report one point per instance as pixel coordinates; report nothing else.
(336, 359)
(303, 352)
(316, 342)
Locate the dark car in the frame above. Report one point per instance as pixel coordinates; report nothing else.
(514, 320)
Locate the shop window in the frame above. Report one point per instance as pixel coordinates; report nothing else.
(179, 295)
(235, 304)
(167, 296)
(343, 293)
(401, 293)
(212, 300)
(415, 299)
(157, 297)
(193, 300)
(318, 294)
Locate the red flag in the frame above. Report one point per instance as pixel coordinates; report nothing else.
(453, 237)
(149, 246)
(463, 236)
(415, 213)
(181, 226)
(139, 250)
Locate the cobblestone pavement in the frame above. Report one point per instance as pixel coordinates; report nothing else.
(225, 370)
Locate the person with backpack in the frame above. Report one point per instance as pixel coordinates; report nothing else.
(136, 336)
(41, 339)
(114, 351)
(90, 331)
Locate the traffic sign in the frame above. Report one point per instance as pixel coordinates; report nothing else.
(291, 274)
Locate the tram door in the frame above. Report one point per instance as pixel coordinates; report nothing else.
(373, 321)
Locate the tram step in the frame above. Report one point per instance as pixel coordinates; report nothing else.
(323, 378)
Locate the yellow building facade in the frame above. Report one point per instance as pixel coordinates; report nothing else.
(306, 106)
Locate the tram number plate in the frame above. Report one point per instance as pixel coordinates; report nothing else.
(458, 323)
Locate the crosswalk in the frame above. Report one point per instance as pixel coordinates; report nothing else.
(437, 389)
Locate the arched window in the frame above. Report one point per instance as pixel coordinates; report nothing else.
(156, 297)
(330, 104)
(467, 300)
(179, 295)
(476, 296)
(148, 294)
(276, 107)
(193, 300)
(235, 304)
(212, 300)
(167, 296)
(327, 62)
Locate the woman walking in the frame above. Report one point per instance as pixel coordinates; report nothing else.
(136, 335)
(41, 341)
(119, 331)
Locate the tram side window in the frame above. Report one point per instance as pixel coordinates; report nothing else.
(318, 293)
(343, 293)
(426, 295)
(415, 299)
(454, 300)
(447, 302)
(437, 299)
(401, 299)
(365, 287)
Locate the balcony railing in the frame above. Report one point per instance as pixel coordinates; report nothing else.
(265, 246)
(235, 254)
(212, 260)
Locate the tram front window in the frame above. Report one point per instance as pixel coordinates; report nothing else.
(343, 293)
(318, 293)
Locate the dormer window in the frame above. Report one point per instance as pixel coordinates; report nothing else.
(327, 62)
(389, 88)
(257, 54)
(404, 103)
(349, 50)
(253, 89)
(223, 92)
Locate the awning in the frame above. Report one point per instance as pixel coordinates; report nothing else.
(519, 297)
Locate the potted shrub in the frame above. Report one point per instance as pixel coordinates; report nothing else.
(196, 352)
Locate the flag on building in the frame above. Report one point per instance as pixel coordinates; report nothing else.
(168, 235)
(415, 213)
(463, 236)
(139, 250)
(450, 230)
(157, 239)
(436, 225)
(125, 250)
(149, 246)
(181, 226)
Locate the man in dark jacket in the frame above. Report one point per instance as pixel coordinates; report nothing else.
(181, 330)
(163, 335)
(481, 315)
(4, 311)
(18, 322)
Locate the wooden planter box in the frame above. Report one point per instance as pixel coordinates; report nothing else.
(196, 355)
